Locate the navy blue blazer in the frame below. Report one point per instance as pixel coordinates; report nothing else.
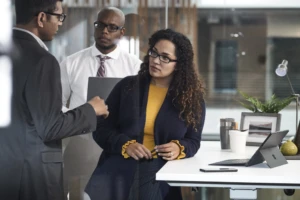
(127, 106)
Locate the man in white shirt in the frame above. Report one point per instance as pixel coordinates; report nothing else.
(82, 153)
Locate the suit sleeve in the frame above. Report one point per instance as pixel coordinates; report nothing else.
(192, 138)
(43, 94)
(65, 83)
(107, 134)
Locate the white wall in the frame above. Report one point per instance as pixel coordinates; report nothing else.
(280, 25)
(5, 63)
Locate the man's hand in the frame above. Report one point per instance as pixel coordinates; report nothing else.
(168, 151)
(99, 106)
(138, 151)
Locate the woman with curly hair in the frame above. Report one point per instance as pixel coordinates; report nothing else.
(155, 117)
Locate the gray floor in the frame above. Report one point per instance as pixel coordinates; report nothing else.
(223, 194)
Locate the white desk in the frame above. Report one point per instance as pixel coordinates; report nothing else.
(185, 173)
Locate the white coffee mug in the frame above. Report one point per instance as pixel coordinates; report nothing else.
(238, 141)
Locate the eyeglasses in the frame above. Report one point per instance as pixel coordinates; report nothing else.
(162, 58)
(61, 17)
(110, 27)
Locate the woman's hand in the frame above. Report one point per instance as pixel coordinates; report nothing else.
(138, 151)
(168, 151)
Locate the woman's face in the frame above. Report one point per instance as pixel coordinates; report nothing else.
(162, 60)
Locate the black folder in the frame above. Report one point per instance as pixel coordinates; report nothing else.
(101, 86)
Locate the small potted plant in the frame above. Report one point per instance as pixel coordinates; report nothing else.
(274, 105)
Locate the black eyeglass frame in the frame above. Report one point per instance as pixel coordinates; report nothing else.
(151, 51)
(61, 18)
(108, 26)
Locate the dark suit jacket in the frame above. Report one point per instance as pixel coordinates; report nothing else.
(30, 148)
(127, 105)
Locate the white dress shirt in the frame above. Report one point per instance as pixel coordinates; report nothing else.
(77, 68)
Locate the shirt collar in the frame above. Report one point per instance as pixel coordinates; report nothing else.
(114, 54)
(41, 43)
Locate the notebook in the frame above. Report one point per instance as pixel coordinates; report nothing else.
(268, 151)
(101, 86)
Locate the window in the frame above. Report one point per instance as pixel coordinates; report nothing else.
(225, 65)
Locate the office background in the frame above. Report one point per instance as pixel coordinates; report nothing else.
(238, 45)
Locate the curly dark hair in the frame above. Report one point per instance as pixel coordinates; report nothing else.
(186, 88)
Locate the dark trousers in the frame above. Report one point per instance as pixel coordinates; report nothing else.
(125, 182)
(145, 187)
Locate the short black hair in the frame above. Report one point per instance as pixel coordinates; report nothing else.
(27, 9)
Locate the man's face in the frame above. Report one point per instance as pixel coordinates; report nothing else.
(51, 23)
(105, 39)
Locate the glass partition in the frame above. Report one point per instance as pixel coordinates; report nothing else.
(237, 46)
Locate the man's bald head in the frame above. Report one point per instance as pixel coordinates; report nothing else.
(115, 10)
(109, 30)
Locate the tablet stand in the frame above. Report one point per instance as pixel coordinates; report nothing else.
(273, 157)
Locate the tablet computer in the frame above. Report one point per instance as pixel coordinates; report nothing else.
(101, 86)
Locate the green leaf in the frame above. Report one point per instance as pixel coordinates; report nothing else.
(273, 105)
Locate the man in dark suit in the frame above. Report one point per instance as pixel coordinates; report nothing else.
(30, 148)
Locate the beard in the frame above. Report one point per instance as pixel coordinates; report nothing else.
(108, 47)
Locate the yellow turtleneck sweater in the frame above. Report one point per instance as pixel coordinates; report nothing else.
(156, 97)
